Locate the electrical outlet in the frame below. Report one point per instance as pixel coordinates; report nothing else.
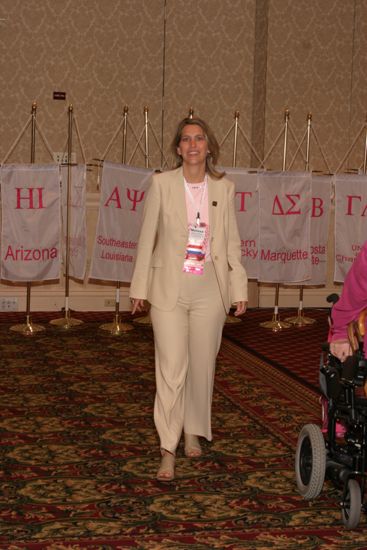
(8, 304)
(62, 158)
(109, 302)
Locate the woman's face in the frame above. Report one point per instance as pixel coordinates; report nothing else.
(193, 146)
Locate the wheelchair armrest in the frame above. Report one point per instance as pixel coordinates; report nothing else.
(357, 330)
(362, 322)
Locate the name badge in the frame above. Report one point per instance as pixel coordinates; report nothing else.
(196, 249)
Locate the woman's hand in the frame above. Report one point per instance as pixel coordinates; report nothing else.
(341, 349)
(240, 308)
(138, 304)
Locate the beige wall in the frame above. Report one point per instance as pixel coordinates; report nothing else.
(216, 56)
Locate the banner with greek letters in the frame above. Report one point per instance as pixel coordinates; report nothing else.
(285, 212)
(350, 221)
(76, 215)
(123, 190)
(247, 213)
(30, 242)
(320, 214)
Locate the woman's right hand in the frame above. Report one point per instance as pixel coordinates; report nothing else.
(341, 349)
(138, 304)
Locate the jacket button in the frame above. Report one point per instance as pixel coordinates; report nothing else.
(215, 257)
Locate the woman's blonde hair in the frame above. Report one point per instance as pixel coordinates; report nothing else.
(213, 145)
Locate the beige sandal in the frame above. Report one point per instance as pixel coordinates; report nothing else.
(166, 471)
(192, 446)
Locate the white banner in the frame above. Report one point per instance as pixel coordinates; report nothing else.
(77, 219)
(285, 213)
(120, 213)
(350, 221)
(30, 243)
(247, 213)
(320, 213)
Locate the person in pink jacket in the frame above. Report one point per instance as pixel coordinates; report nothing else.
(352, 302)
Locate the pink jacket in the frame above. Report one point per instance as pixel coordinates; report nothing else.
(352, 300)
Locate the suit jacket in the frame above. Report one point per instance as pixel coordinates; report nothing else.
(163, 240)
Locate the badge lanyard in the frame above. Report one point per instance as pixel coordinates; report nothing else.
(197, 238)
(191, 198)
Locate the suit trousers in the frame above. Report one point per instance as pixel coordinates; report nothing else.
(187, 341)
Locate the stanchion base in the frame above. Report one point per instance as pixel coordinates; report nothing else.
(66, 323)
(27, 328)
(117, 328)
(143, 320)
(231, 319)
(300, 320)
(275, 324)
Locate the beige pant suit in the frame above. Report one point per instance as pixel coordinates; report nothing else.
(187, 311)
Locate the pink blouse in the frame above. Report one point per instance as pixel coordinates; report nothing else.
(193, 207)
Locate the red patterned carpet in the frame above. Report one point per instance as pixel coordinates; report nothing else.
(295, 350)
(79, 450)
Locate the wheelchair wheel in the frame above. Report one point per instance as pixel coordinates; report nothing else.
(310, 463)
(351, 505)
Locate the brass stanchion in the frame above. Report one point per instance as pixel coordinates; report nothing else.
(276, 324)
(232, 320)
(144, 320)
(29, 328)
(116, 327)
(67, 321)
(300, 320)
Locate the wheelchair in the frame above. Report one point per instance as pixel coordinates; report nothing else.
(337, 451)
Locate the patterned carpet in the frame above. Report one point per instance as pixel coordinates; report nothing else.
(79, 450)
(295, 350)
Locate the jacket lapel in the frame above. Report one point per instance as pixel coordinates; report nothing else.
(213, 203)
(178, 197)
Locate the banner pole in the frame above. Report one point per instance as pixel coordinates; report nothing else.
(146, 137)
(116, 328)
(308, 142)
(124, 134)
(29, 328)
(236, 117)
(300, 320)
(67, 321)
(276, 324)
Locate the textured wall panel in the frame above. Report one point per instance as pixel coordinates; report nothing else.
(310, 46)
(104, 54)
(209, 66)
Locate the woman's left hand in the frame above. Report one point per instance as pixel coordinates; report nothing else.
(240, 308)
(138, 304)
